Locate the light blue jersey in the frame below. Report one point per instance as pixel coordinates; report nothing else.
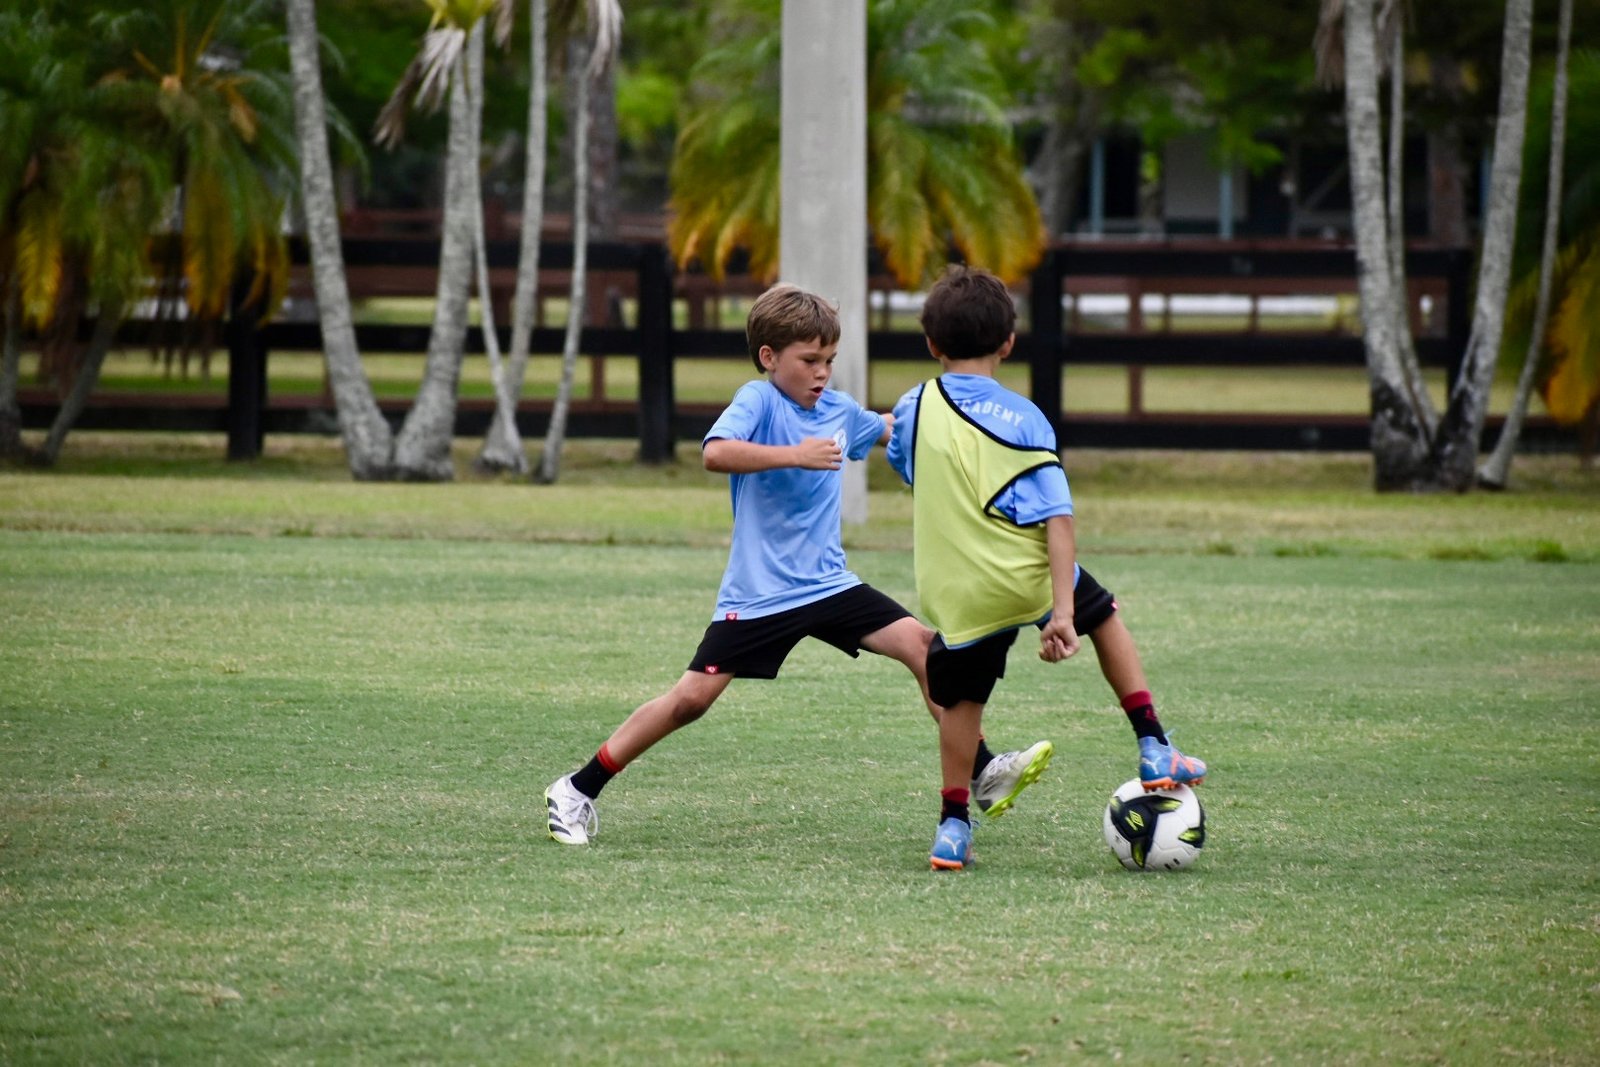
(786, 549)
(1003, 414)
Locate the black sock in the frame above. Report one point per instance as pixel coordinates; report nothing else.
(592, 778)
(954, 805)
(983, 759)
(1141, 710)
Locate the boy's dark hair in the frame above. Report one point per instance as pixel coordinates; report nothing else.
(969, 313)
(785, 314)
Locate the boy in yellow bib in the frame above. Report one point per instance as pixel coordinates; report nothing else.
(995, 548)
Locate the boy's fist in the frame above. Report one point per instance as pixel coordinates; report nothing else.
(819, 454)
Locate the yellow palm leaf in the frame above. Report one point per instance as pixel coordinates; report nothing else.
(1573, 385)
(40, 259)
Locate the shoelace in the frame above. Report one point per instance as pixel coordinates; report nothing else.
(582, 808)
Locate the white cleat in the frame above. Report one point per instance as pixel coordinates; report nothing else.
(572, 816)
(1004, 779)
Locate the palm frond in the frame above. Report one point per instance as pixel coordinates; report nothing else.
(425, 83)
(40, 255)
(942, 167)
(1328, 44)
(1573, 385)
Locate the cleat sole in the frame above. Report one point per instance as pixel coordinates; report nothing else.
(1030, 774)
(1168, 783)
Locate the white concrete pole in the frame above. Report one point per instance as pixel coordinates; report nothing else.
(822, 244)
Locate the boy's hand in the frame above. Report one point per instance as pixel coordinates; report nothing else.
(1058, 640)
(818, 454)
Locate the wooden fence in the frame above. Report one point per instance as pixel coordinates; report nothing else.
(1054, 336)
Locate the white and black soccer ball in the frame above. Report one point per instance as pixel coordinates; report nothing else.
(1161, 830)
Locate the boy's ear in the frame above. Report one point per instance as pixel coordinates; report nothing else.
(933, 349)
(1005, 349)
(768, 358)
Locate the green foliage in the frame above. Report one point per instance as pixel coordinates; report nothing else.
(80, 184)
(1241, 72)
(124, 112)
(1570, 379)
(942, 168)
(661, 43)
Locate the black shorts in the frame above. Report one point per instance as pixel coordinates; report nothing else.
(971, 671)
(756, 648)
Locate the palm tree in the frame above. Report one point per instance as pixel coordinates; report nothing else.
(1395, 353)
(368, 441)
(942, 168)
(1492, 474)
(1455, 453)
(596, 49)
(440, 72)
(160, 122)
(1406, 455)
(502, 445)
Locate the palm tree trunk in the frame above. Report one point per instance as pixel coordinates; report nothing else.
(1398, 431)
(422, 450)
(1410, 366)
(10, 374)
(502, 446)
(1493, 473)
(1456, 450)
(368, 441)
(94, 357)
(504, 403)
(577, 297)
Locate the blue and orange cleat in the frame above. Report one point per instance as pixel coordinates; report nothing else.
(1162, 766)
(952, 845)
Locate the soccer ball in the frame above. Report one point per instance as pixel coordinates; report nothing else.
(1156, 831)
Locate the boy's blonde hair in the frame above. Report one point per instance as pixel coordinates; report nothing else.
(785, 314)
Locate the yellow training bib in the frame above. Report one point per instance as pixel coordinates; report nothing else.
(977, 572)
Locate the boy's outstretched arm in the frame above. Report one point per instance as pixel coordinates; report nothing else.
(729, 456)
(1058, 639)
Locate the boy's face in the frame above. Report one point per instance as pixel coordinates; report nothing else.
(801, 369)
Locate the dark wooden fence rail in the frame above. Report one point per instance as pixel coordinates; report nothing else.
(1051, 342)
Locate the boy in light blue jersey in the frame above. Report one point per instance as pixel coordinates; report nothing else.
(995, 545)
(783, 441)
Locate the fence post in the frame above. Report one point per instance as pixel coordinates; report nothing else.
(247, 373)
(1047, 342)
(657, 442)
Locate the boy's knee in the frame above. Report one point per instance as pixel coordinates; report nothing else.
(687, 711)
(689, 705)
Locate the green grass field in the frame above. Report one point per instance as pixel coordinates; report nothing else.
(273, 747)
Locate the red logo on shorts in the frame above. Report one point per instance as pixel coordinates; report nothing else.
(730, 616)
(713, 669)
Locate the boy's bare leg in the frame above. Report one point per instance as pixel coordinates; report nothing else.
(1119, 657)
(681, 705)
(907, 641)
(570, 802)
(1161, 766)
(959, 729)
